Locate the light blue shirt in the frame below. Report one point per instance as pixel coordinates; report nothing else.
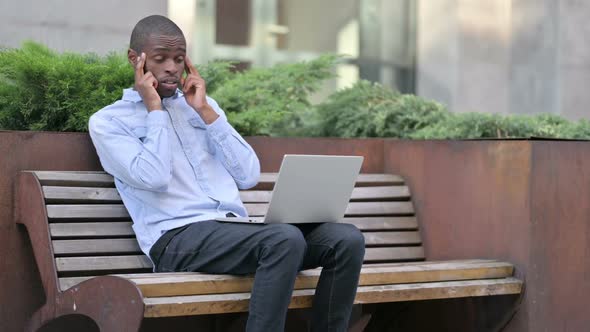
(171, 168)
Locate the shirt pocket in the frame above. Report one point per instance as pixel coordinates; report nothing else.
(201, 136)
(140, 132)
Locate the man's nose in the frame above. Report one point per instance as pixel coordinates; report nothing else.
(170, 67)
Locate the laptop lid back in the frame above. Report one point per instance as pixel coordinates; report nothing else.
(313, 188)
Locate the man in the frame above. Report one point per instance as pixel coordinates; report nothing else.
(178, 165)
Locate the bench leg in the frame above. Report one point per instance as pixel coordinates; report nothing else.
(114, 304)
(359, 318)
(360, 324)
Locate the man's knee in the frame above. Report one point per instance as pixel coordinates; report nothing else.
(289, 237)
(351, 241)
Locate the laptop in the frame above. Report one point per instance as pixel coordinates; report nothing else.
(309, 189)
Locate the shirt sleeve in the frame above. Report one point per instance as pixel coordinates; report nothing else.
(234, 152)
(144, 165)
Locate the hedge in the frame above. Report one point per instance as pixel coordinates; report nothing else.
(44, 90)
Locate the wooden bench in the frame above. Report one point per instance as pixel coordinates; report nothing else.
(91, 264)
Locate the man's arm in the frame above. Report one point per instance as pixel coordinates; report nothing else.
(144, 165)
(235, 154)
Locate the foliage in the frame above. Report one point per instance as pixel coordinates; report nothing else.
(261, 100)
(352, 112)
(44, 90)
(371, 110)
(483, 125)
(216, 74)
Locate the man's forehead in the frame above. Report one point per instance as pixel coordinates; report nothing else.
(165, 42)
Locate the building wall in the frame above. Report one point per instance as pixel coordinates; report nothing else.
(574, 57)
(69, 25)
(502, 56)
(505, 56)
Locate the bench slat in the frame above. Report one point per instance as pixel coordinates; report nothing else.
(104, 211)
(67, 282)
(358, 193)
(362, 179)
(102, 246)
(353, 209)
(383, 223)
(124, 229)
(238, 302)
(394, 254)
(380, 193)
(392, 238)
(379, 208)
(180, 284)
(102, 179)
(133, 262)
(91, 229)
(199, 284)
(55, 194)
(84, 211)
(119, 246)
(89, 195)
(75, 179)
(102, 263)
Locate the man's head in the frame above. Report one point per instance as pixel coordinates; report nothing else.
(164, 45)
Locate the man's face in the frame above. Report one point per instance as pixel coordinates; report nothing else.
(165, 59)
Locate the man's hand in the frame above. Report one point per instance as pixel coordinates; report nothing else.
(145, 85)
(195, 92)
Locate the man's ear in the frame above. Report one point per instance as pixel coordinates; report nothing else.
(132, 56)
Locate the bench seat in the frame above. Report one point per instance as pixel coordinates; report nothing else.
(83, 244)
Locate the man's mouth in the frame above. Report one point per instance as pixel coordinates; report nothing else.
(169, 83)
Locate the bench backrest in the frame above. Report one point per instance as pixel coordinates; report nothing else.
(90, 230)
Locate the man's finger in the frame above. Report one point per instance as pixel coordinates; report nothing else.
(152, 81)
(139, 67)
(188, 66)
(188, 84)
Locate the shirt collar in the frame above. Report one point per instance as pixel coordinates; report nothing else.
(133, 96)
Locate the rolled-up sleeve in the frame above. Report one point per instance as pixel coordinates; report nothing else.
(234, 152)
(141, 164)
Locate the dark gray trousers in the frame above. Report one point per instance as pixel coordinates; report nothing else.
(275, 253)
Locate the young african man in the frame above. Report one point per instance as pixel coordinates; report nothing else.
(178, 164)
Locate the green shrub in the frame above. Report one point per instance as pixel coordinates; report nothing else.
(579, 130)
(261, 101)
(484, 125)
(44, 90)
(371, 110)
(352, 112)
(409, 114)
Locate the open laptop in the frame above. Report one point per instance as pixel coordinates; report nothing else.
(310, 189)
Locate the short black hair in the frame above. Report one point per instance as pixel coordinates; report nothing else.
(152, 25)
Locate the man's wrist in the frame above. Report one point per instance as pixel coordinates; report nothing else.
(154, 106)
(207, 113)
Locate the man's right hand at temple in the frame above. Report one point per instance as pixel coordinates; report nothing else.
(146, 84)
